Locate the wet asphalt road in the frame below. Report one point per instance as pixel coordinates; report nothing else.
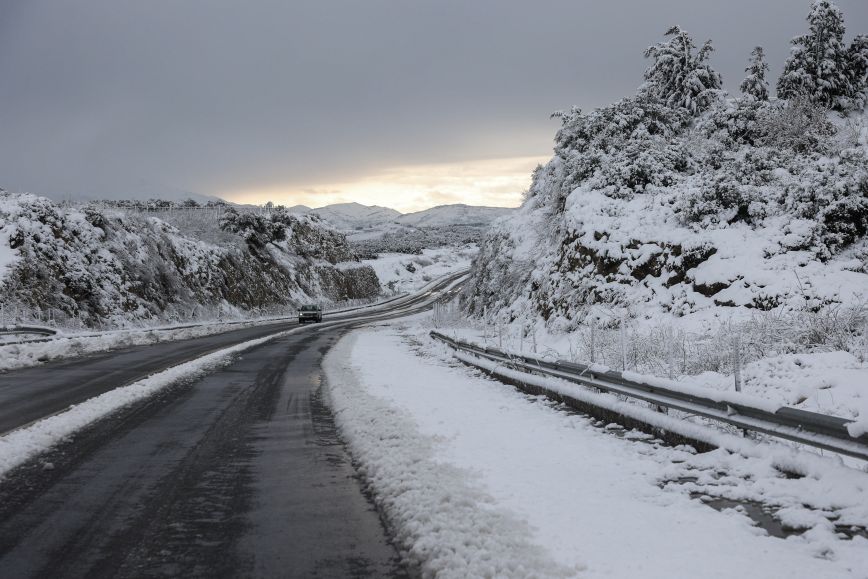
(237, 474)
(32, 393)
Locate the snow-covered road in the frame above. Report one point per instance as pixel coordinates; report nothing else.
(480, 480)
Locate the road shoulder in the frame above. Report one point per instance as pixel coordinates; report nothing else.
(445, 449)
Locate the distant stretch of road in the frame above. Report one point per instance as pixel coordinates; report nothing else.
(238, 473)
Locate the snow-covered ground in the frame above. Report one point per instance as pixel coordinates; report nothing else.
(403, 273)
(834, 382)
(481, 480)
(827, 382)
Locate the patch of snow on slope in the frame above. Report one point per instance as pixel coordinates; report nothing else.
(402, 273)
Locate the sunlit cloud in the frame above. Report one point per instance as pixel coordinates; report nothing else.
(494, 182)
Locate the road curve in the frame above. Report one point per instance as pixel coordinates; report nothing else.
(238, 473)
(32, 393)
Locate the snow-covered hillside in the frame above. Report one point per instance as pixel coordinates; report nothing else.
(375, 230)
(372, 220)
(87, 265)
(350, 216)
(403, 273)
(459, 214)
(683, 209)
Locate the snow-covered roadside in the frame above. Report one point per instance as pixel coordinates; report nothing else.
(833, 382)
(586, 497)
(23, 444)
(401, 272)
(445, 524)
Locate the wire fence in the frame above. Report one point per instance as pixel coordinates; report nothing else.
(666, 350)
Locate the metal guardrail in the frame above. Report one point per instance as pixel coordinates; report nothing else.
(801, 426)
(29, 330)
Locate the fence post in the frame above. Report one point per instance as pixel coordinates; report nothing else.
(623, 343)
(593, 341)
(736, 361)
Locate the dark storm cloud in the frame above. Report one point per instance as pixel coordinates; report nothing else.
(108, 96)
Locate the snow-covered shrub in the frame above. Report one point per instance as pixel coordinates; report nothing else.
(622, 148)
(857, 58)
(754, 86)
(680, 78)
(256, 230)
(819, 65)
(798, 124)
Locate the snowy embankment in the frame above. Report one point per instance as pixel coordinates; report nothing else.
(480, 480)
(23, 444)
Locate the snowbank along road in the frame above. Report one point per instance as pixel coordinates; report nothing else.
(236, 473)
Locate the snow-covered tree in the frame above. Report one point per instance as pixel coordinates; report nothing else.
(857, 61)
(679, 76)
(818, 65)
(755, 86)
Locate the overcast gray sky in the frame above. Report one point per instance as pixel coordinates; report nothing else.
(400, 102)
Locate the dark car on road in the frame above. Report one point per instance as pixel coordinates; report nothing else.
(309, 313)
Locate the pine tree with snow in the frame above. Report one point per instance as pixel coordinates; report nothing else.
(817, 67)
(755, 86)
(679, 76)
(857, 61)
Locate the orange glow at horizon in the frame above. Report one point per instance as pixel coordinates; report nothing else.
(494, 182)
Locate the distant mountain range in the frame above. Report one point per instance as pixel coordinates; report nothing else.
(355, 216)
(348, 217)
(459, 214)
